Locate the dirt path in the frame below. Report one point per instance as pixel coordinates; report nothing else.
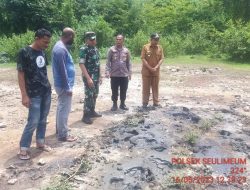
(204, 114)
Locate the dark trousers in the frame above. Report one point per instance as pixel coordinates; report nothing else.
(117, 82)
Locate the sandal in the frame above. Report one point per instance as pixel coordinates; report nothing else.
(44, 147)
(23, 155)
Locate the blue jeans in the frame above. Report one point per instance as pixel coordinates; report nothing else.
(62, 114)
(37, 118)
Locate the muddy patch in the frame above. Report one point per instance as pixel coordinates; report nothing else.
(137, 153)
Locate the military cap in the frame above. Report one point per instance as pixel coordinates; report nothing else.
(90, 35)
(155, 36)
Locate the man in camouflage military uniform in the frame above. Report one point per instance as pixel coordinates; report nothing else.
(90, 67)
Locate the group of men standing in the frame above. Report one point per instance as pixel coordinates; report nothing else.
(36, 90)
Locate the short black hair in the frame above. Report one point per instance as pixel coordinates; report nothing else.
(40, 33)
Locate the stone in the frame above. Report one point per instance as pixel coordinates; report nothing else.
(2, 125)
(115, 180)
(12, 181)
(12, 167)
(78, 178)
(246, 108)
(41, 162)
(175, 70)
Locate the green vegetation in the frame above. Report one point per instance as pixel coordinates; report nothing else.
(59, 183)
(191, 137)
(207, 124)
(219, 29)
(134, 120)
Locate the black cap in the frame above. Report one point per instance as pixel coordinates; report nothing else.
(155, 36)
(90, 35)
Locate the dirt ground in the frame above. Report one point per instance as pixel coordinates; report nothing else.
(204, 113)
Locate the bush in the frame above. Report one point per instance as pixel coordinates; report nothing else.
(235, 41)
(200, 39)
(136, 43)
(104, 33)
(11, 45)
(172, 45)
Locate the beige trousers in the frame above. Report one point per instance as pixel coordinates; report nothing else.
(149, 82)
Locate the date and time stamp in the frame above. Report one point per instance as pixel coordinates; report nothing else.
(237, 173)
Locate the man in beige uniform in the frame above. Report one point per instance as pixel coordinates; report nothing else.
(152, 57)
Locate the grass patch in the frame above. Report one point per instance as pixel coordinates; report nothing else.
(84, 167)
(181, 151)
(134, 120)
(8, 65)
(205, 61)
(207, 124)
(59, 184)
(191, 137)
(179, 60)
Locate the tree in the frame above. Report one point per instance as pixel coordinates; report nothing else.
(238, 9)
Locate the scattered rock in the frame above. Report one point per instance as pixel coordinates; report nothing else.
(225, 133)
(12, 181)
(115, 180)
(223, 110)
(119, 168)
(78, 178)
(175, 70)
(2, 125)
(237, 96)
(11, 167)
(217, 68)
(41, 162)
(116, 141)
(36, 176)
(246, 108)
(144, 174)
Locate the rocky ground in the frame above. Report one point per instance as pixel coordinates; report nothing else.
(204, 113)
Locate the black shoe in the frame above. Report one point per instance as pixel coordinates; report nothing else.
(87, 120)
(157, 105)
(94, 114)
(144, 106)
(123, 107)
(114, 107)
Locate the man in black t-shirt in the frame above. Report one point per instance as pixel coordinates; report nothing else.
(35, 90)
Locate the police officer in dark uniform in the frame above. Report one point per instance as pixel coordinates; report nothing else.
(90, 67)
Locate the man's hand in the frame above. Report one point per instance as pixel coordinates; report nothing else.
(129, 77)
(26, 101)
(157, 66)
(90, 83)
(153, 69)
